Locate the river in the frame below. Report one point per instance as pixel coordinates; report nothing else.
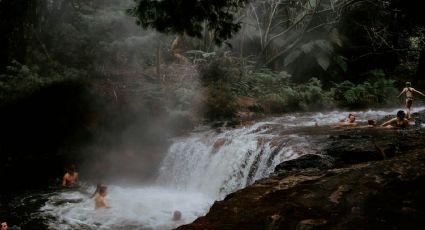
(197, 170)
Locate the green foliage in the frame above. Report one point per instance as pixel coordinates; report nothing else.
(227, 79)
(221, 102)
(20, 81)
(97, 38)
(178, 103)
(218, 75)
(189, 16)
(276, 94)
(385, 92)
(377, 73)
(380, 92)
(341, 61)
(60, 40)
(320, 49)
(219, 67)
(309, 96)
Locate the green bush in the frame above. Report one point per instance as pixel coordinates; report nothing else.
(220, 103)
(381, 92)
(219, 75)
(20, 81)
(227, 80)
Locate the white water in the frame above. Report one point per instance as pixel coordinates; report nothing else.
(197, 170)
(219, 163)
(132, 208)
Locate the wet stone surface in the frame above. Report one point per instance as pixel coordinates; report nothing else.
(364, 178)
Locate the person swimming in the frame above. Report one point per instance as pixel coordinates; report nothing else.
(177, 215)
(70, 178)
(349, 121)
(100, 201)
(400, 121)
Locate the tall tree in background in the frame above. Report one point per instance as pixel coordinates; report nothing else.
(333, 40)
(190, 16)
(16, 16)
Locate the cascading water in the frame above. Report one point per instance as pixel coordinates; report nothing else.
(197, 170)
(219, 163)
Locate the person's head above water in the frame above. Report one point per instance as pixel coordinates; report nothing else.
(401, 115)
(71, 169)
(371, 122)
(102, 190)
(177, 215)
(351, 118)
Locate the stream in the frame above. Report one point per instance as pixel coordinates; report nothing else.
(197, 170)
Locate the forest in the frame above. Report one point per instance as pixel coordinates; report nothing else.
(77, 75)
(83, 80)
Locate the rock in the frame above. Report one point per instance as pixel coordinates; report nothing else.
(219, 143)
(337, 195)
(341, 198)
(308, 161)
(368, 178)
(309, 224)
(272, 222)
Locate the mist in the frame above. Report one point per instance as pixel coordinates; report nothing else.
(140, 95)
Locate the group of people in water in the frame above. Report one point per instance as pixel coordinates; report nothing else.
(70, 179)
(401, 120)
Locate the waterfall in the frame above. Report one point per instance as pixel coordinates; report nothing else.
(219, 163)
(197, 170)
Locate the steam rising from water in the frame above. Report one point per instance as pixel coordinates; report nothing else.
(197, 170)
(132, 208)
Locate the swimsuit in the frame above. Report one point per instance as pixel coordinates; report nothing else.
(402, 124)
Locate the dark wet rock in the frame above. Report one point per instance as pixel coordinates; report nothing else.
(345, 151)
(368, 178)
(219, 143)
(308, 161)
(385, 194)
(372, 144)
(310, 224)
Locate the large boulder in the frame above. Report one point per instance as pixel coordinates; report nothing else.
(367, 178)
(384, 194)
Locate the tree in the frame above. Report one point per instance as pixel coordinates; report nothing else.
(190, 16)
(16, 17)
